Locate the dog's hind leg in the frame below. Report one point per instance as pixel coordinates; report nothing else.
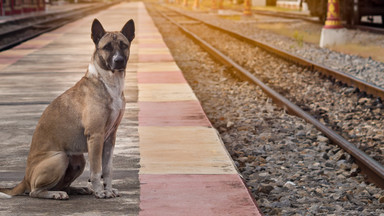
(75, 169)
(47, 174)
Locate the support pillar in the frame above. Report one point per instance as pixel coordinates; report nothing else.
(333, 32)
(247, 8)
(221, 4)
(196, 5)
(214, 6)
(185, 3)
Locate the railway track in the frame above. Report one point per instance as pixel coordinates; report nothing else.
(368, 28)
(18, 31)
(288, 16)
(364, 26)
(326, 71)
(192, 27)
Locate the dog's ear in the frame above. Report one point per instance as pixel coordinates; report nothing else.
(97, 31)
(129, 30)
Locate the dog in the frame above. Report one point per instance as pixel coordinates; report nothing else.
(83, 119)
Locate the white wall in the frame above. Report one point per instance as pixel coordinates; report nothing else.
(259, 2)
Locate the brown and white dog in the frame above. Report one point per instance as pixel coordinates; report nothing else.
(83, 119)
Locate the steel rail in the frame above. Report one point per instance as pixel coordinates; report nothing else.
(370, 167)
(287, 15)
(350, 80)
(378, 29)
(372, 29)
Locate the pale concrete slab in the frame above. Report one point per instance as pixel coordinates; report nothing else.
(155, 45)
(34, 87)
(183, 150)
(3, 66)
(154, 51)
(144, 34)
(166, 92)
(16, 52)
(38, 41)
(157, 67)
(50, 63)
(150, 40)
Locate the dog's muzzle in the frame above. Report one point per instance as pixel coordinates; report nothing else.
(118, 62)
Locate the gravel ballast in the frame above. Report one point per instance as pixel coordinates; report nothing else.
(365, 69)
(289, 166)
(359, 119)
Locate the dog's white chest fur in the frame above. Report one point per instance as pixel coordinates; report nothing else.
(116, 106)
(114, 83)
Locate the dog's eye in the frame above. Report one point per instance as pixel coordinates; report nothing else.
(108, 47)
(123, 45)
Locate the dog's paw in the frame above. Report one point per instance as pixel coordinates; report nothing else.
(99, 194)
(115, 192)
(59, 195)
(106, 194)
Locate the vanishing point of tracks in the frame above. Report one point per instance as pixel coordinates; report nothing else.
(293, 79)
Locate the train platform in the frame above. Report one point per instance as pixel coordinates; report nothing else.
(168, 158)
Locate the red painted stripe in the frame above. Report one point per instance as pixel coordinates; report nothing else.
(49, 37)
(195, 195)
(175, 113)
(9, 59)
(161, 77)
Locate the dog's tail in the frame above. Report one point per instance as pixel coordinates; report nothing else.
(8, 193)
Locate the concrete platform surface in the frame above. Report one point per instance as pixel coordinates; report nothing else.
(168, 159)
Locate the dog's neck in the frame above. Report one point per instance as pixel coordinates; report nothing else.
(114, 81)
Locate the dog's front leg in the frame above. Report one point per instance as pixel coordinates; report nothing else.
(109, 146)
(95, 150)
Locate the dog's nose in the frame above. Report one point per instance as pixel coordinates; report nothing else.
(118, 60)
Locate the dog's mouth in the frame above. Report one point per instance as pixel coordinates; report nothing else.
(117, 67)
(118, 70)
